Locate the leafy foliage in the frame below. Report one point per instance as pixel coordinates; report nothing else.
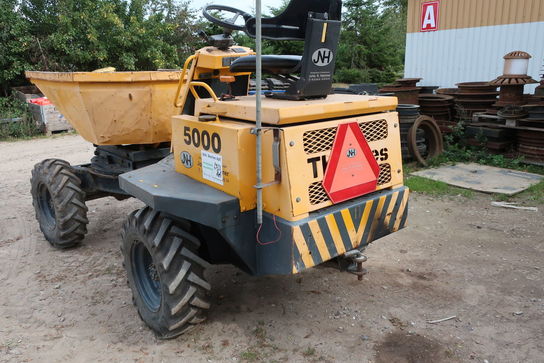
(372, 41)
(455, 150)
(12, 108)
(82, 35)
(14, 44)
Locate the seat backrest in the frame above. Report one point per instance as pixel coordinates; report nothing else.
(291, 23)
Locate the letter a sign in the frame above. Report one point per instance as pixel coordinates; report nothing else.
(429, 16)
(352, 170)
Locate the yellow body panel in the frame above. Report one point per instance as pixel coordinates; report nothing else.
(210, 59)
(307, 149)
(304, 151)
(282, 112)
(237, 149)
(114, 108)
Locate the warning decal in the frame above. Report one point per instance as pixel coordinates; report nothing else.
(352, 170)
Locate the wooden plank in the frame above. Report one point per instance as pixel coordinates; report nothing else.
(478, 118)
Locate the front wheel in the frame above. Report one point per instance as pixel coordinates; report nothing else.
(165, 273)
(59, 202)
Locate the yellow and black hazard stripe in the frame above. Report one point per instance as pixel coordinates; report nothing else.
(326, 236)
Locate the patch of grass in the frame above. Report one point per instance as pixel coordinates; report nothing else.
(435, 188)
(456, 151)
(249, 356)
(502, 197)
(534, 194)
(260, 333)
(308, 352)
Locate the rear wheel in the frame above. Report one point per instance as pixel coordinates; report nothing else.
(59, 203)
(165, 273)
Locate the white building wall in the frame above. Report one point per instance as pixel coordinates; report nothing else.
(446, 57)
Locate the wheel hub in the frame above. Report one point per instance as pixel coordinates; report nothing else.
(146, 277)
(45, 202)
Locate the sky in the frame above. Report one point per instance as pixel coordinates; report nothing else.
(247, 5)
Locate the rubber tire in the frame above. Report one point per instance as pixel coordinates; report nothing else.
(63, 218)
(433, 135)
(183, 289)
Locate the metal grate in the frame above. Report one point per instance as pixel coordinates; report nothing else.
(385, 174)
(318, 194)
(375, 130)
(316, 141)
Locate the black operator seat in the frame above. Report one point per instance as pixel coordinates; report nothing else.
(289, 25)
(275, 64)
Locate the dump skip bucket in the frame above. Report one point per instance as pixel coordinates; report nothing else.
(114, 108)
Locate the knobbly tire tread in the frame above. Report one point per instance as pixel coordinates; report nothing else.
(68, 201)
(184, 289)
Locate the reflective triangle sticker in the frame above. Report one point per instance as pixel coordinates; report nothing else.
(352, 170)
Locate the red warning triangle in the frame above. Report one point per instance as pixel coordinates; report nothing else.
(352, 170)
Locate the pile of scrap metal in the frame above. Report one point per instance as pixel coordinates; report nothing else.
(405, 89)
(496, 115)
(356, 89)
(514, 124)
(420, 135)
(441, 108)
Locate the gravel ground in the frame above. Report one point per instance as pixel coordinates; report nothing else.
(458, 257)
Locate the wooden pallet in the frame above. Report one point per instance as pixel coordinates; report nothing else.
(49, 119)
(492, 125)
(489, 132)
(480, 118)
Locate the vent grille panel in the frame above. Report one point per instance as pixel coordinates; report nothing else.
(317, 141)
(318, 194)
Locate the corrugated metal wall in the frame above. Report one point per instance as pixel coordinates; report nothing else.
(458, 14)
(462, 53)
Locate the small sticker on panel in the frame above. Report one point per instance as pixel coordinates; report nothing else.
(186, 160)
(212, 167)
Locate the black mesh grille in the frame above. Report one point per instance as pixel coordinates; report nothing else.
(318, 195)
(316, 141)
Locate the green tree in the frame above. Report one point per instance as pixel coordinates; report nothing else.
(129, 35)
(14, 45)
(371, 41)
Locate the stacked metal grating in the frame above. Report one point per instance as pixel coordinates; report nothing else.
(539, 92)
(408, 115)
(530, 133)
(514, 125)
(441, 108)
(495, 140)
(405, 89)
(474, 97)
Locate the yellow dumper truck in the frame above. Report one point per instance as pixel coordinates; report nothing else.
(302, 178)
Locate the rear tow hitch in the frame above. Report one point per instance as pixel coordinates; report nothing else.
(357, 258)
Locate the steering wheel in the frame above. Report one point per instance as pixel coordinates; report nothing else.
(226, 23)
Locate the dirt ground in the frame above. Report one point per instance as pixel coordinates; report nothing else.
(458, 257)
